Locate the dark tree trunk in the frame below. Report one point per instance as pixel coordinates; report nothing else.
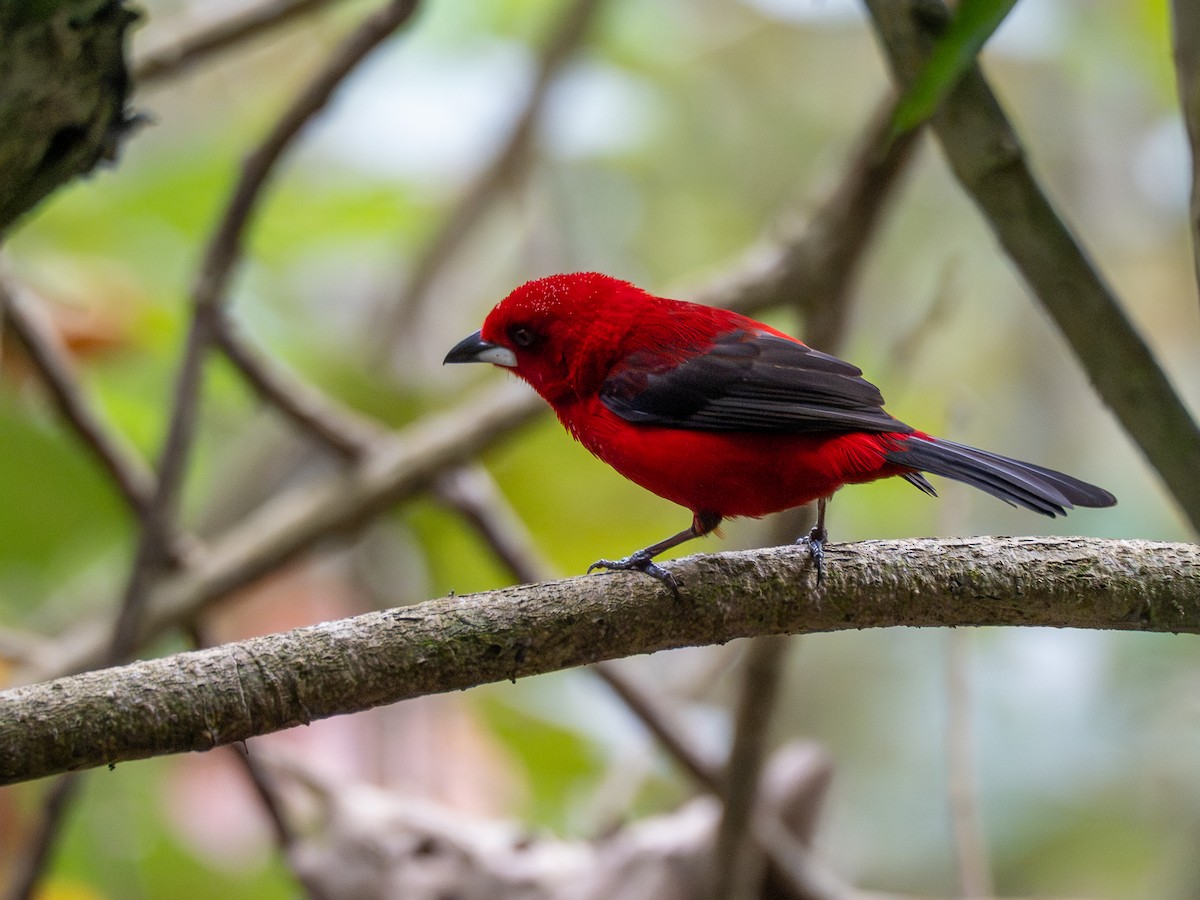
(63, 87)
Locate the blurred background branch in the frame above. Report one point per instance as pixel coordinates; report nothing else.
(335, 426)
(129, 473)
(987, 156)
(299, 518)
(511, 157)
(208, 296)
(220, 36)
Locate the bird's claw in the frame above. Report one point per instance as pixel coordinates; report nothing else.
(638, 562)
(815, 541)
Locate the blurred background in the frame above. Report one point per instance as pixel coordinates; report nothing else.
(677, 136)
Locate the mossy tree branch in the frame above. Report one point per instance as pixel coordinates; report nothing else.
(200, 700)
(63, 87)
(986, 155)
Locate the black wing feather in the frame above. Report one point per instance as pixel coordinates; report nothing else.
(751, 381)
(1020, 483)
(748, 381)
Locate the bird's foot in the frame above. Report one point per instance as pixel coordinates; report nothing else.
(815, 540)
(641, 561)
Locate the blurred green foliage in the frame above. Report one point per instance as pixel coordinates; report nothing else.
(143, 857)
(559, 762)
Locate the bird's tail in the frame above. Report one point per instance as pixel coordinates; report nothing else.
(1018, 483)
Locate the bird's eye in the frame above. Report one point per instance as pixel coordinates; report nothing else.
(522, 336)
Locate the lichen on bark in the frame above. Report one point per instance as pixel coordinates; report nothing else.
(63, 91)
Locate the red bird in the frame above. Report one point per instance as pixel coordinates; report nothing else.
(722, 414)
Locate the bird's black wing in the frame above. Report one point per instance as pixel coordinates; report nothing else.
(748, 381)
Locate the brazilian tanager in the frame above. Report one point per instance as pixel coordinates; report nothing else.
(724, 415)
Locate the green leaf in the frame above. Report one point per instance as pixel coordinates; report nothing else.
(953, 54)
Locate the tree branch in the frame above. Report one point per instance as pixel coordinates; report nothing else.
(279, 531)
(814, 270)
(738, 864)
(63, 87)
(129, 474)
(568, 33)
(1185, 22)
(221, 257)
(127, 470)
(228, 33)
(204, 699)
(292, 522)
(986, 156)
(334, 425)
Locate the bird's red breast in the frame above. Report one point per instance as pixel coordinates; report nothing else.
(702, 406)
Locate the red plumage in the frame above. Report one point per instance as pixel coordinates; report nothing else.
(721, 414)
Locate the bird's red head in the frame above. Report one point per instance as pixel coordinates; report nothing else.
(561, 334)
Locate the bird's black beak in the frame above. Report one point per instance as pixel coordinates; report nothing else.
(475, 349)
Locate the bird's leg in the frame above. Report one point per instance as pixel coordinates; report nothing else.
(643, 560)
(816, 540)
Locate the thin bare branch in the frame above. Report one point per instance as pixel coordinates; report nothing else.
(291, 523)
(260, 780)
(738, 865)
(225, 245)
(56, 803)
(974, 869)
(802, 874)
(504, 168)
(473, 493)
(226, 34)
(208, 295)
(805, 875)
(334, 425)
(659, 723)
(124, 466)
(814, 268)
(986, 155)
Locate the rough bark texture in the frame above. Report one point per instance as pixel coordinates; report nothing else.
(200, 700)
(63, 86)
